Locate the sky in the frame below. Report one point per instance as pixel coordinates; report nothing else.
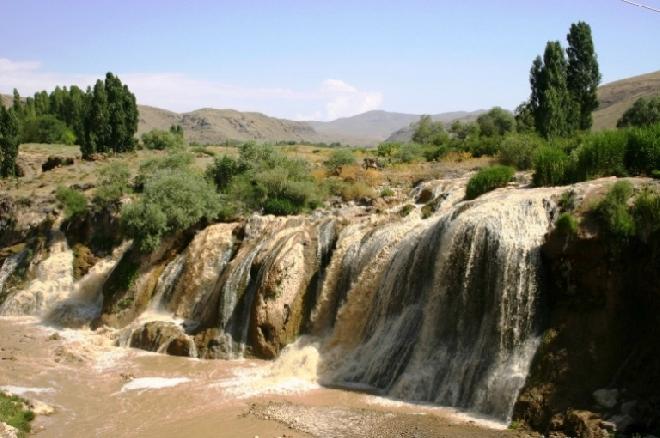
(314, 59)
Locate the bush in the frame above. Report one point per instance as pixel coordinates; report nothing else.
(518, 150)
(488, 179)
(223, 170)
(550, 166)
(171, 162)
(602, 154)
(644, 112)
(567, 224)
(162, 140)
(112, 184)
(646, 213)
(173, 200)
(643, 151)
(355, 191)
(73, 201)
(13, 411)
(339, 159)
(613, 213)
(386, 192)
(47, 129)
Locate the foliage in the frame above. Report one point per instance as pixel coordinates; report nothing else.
(73, 201)
(602, 154)
(583, 75)
(646, 214)
(613, 213)
(173, 200)
(644, 112)
(46, 129)
(496, 122)
(339, 159)
(518, 150)
(9, 139)
(488, 179)
(567, 224)
(163, 140)
(406, 210)
(353, 191)
(643, 150)
(429, 132)
(550, 166)
(386, 192)
(14, 412)
(111, 119)
(524, 117)
(112, 184)
(223, 170)
(171, 162)
(405, 152)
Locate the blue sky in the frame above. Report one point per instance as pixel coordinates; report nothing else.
(313, 59)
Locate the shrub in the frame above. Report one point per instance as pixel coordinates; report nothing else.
(162, 140)
(518, 150)
(47, 129)
(488, 179)
(646, 213)
(613, 213)
(338, 160)
(567, 224)
(644, 112)
(602, 154)
(73, 201)
(112, 184)
(406, 210)
(173, 161)
(550, 166)
(173, 200)
(223, 170)
(355, 191)
(386, 192)
(643, 152)
(13, 411)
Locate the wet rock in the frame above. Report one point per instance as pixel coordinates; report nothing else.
(425, 195)
(606, 398)
(628, 407)
(622, 422)
(584, 424)
(162, 336)
(7, 431)
(55, 337)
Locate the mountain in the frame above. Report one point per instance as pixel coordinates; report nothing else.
(616, 97)
(207, 126)
(375, 126)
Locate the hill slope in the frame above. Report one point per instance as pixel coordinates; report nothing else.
(616, 97)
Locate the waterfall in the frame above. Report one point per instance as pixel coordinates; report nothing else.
(167, 282)
(53, 282)
(453, 320)
(8, 267)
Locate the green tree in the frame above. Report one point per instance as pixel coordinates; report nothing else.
(46, 129)
(644, 112)
(496, 122)
(9, 139)
(112, 183)
(555, 105)
(97, 122)
(122, 113)
(429, 132)
(583, 75)
(524, 116)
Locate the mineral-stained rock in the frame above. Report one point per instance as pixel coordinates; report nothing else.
(162, 337)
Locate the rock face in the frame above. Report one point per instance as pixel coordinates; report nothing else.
(600, 351)
(163, 337)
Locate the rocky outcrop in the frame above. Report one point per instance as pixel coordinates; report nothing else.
(597, 369)
(163, 337)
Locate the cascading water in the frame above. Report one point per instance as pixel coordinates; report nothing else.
(454, 319)
(439, 310)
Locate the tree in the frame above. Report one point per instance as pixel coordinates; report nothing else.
(429, 132)
(644, 112)
(550, 88)
(97, 122)
(524, 116)
(123, 115)
(9, 139)
(496, 122)
(583, 75)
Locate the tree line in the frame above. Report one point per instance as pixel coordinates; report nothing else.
(102, 118)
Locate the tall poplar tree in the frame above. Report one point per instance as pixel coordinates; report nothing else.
(9, 140)
(583, 75)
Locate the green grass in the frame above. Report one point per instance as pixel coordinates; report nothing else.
(14, 412)
(567, 224)
(488, 179)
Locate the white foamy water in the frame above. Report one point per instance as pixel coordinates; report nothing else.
(23, 390)
(145, 383)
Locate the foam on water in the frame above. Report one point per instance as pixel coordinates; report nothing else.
(145, 383)
(24, 390)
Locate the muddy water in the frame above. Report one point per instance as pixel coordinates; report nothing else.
(100, 390)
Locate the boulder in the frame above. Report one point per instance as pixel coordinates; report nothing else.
(162, 336)
(606, 398)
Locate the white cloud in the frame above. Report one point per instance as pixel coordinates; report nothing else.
(333, 98)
